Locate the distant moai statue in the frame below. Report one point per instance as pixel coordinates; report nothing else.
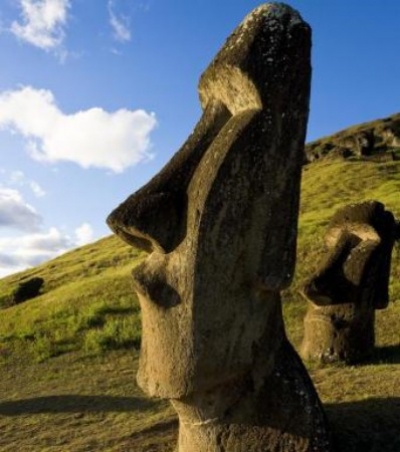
(350, 283)
(220, 222)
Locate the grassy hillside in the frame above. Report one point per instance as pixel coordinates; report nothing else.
(68, 357)
(326, 186)
(86, 304)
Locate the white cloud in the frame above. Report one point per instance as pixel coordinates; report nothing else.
(44, 243)
(42, 23)
(119, 23)
(7, 266)
(84, 234)
(36, 188)
(22, 252)
(16, 213)
(19, 253)
(89, 138)
(18, 178)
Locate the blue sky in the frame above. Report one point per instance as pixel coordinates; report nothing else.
(96, 96)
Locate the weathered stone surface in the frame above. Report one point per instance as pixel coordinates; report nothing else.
(220, 222)
(391, 136)
(350, 283)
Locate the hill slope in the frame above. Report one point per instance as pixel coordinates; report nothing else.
(376, 140)
(87, 320)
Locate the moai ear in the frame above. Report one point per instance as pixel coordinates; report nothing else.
(248, 202)
(247, 205)
(368, 267)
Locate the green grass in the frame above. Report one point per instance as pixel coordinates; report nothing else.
(87, 304)
(75, 404)
(68, 357)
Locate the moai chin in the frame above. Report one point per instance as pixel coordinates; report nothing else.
(220, 224)
(350, 283)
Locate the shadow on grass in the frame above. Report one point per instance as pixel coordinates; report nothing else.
(385, 355)
(371, 425)
(168, 426)
(75, 404)
(160, 437)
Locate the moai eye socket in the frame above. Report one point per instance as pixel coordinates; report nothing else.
(154, 218)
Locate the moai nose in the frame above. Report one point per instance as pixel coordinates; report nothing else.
(154, 218)
(152, 222)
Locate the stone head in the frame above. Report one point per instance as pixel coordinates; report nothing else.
(359, 240)
(220, 219)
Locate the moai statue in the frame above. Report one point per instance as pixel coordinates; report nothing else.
(350, 283)
(220, 224)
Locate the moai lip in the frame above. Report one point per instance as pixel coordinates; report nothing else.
(220, 224)
(351, 282)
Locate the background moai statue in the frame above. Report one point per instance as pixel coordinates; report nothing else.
(220, 222)
(350, 283)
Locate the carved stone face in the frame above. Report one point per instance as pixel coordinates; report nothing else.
(349, 284)
(359, 240)
(220, 220)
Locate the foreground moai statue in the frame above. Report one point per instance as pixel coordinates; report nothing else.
(351, 282)
(220, 224)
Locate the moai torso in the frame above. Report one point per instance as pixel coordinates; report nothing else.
(350, 284)
(220, 224)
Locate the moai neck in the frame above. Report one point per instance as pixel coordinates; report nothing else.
(248, 412)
